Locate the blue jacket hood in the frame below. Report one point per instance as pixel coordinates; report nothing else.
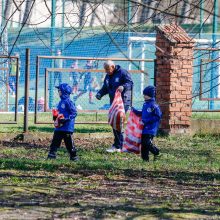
(150, 91)
(117, 68)
(65, 89)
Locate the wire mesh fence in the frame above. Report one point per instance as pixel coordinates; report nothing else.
(86, 76)
(91, 43)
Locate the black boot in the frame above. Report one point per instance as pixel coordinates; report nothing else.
(75, 158)
(145, 154)
(157, 155)
(154, 150)
(51, 156)
(145, 159)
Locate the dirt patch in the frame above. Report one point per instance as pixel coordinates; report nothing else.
(83, 193)
(97, 196)
(44, 142)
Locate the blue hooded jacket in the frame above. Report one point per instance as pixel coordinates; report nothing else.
(67, 108)
(120, 77)
(151, 113)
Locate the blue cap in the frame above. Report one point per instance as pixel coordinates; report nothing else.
(64, 88)
(150, 91)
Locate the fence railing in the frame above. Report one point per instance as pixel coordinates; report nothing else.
(46, 73)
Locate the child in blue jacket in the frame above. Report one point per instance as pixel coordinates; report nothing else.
(66, 128)
(151, 115)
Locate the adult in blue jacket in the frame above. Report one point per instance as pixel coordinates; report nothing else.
(151, 115)
(65, 127)
(116, 78)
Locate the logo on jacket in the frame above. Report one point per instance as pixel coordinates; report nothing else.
(149, 110)
(107, 82)
(63, 105)
(116, 79)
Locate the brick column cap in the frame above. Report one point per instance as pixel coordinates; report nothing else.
(174, 34)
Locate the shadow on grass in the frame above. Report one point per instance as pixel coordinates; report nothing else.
(106, 206)
(78, 128)
(99, 167)
(132, 211)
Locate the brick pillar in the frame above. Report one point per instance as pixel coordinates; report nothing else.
(174, 70)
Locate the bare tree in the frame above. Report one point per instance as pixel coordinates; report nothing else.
(82, 13)
(185, 9)
(147, 10)
(8, 6)
(27, 12)
(92, 18)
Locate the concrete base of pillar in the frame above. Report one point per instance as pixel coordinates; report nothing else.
(179, 131)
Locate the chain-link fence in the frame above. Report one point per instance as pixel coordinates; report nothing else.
(86, 76)
(9, 84)
(91, 43)
(206, 81)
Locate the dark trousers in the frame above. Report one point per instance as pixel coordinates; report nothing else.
(56, 142)
(118, 139)
(148, 146)
(118, 135)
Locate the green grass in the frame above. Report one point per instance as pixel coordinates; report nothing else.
(48, 126)
(79, 128)
(182, 184)
(206, 115)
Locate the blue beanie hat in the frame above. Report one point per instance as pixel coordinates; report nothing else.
(65, 88)
(150, 91)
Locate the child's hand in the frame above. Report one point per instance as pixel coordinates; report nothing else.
(62, 120)
(120, 88)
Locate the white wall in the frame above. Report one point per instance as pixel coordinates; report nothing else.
(40, 16)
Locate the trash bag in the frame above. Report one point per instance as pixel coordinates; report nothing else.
(116, 115)
(133, 132)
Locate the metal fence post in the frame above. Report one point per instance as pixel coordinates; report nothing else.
(214, 67)
(26, 95)
(155, 72)
(52, 45)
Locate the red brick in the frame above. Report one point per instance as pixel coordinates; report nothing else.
(174, 109)
(185, 109)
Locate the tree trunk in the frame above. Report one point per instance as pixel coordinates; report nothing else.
(185, 10)
(136, 10)
(82, 13)
(27, 12)
(7, 11)
(156, 16)
(146, 11)
(143, 12)
(93, 18)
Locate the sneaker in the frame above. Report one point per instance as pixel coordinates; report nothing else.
(157, 157)
(76, 158)
(51, 156)
(113, 149)
(145, 159)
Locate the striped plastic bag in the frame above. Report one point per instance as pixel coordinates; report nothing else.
(133, 132)
(116, 115)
